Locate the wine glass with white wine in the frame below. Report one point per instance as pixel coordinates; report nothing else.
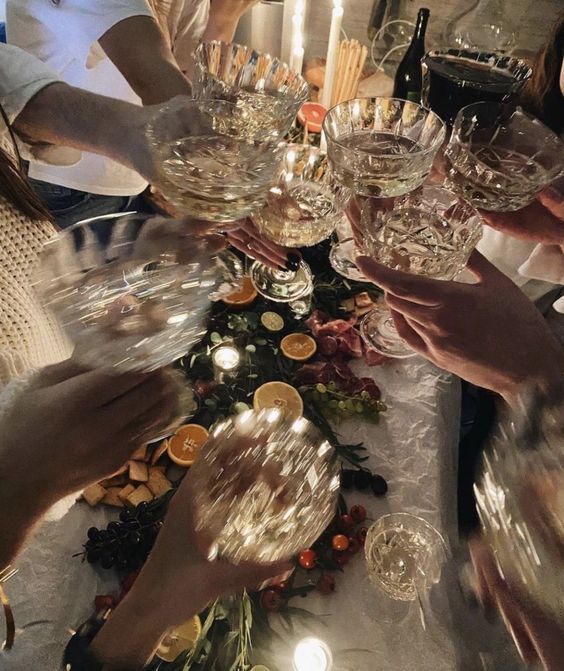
(379, 148)
(302, 209)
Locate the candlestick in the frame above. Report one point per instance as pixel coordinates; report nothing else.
(332, 52)
(297, 52)
(312, 654)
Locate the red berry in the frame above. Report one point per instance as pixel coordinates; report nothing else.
(345, 523)
(358, 513)
(103, 601)
(354, 545)
(326, 584)
(306, 559)
(361, 534)
(341, 558)
(340, 543)
(271, 600)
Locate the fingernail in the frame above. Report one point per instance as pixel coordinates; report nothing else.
(293, 261)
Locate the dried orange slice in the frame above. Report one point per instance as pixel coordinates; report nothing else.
(298, 346)
(179, 639)
(279, 395)
(312, 115)
(243, 296)
(183, 447)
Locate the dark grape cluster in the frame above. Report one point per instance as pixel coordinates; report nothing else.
(362, 479)
(125, 544)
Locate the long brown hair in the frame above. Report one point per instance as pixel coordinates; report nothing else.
(14, 185)
(542, 95)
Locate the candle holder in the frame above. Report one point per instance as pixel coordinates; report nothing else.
(226, 359)
(312, 654)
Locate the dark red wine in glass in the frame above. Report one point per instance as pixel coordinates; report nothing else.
(454, 78)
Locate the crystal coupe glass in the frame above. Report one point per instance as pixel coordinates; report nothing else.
(520, 499)
(301, 210)
(380, 148)
(499, 157)
(225, 173)
(129, 293)
(268, 91)
(266, 486)
(430, 232)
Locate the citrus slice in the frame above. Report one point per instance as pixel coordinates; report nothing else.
(312, 115)
(298, 346)
(243, 296)
(183, 447)
(179, 639)
(272, 321)
(279, 395)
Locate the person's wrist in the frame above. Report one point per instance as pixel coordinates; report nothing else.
(132, 633)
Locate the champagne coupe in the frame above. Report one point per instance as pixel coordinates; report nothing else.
(302, 209)
(132, 291)
(380, 148)
(454, 78)
(499, 157)
(265, 487)
(430, 232)
(223, 174)
(404, 556)
(520, 499)
(268, 91)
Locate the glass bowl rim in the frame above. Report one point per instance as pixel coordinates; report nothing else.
(513, 64)
(529, 117)
(304, 87)
(441, 133)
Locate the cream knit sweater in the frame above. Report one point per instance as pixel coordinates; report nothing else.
(29, 337)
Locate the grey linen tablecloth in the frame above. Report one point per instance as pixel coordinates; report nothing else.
(415, 448)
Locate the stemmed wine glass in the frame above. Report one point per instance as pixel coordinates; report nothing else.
(302, 209)
(404, 557)
(519, 498)
(499, 157)
(430, 232)
(379, 147)
(266, 486)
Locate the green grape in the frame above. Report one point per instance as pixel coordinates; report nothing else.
(321, 388)
(315, 396)
(332, 386)
(333, 403)
(358, 406)
(342, 405)
(364, 395)
(350, 404)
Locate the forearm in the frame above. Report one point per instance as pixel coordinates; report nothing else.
(63, 115)
(21, 507)
(223, 20)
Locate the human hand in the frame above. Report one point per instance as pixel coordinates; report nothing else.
(235, 8)
(188, 238)
(70, 427)
(246, 237)
(488, 333)
(537, 636)
(177, 582)
(542, 221)
(361, 209)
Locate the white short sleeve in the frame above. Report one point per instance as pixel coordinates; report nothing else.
(78, 23)
(21, 77)
(186, 35)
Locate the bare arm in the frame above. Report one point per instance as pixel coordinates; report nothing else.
(224, 17)
(139, 50)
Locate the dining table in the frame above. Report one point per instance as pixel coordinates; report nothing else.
(415, 448)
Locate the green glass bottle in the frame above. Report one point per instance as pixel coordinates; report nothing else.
(409, 79)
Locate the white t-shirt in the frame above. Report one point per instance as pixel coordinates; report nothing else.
(65, 37)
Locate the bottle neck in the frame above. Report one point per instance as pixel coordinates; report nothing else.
(420, 28)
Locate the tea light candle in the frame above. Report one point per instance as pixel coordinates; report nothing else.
(332, 53)
(225, 359)
(312, 654)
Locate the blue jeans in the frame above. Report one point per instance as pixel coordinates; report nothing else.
(69, 205)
